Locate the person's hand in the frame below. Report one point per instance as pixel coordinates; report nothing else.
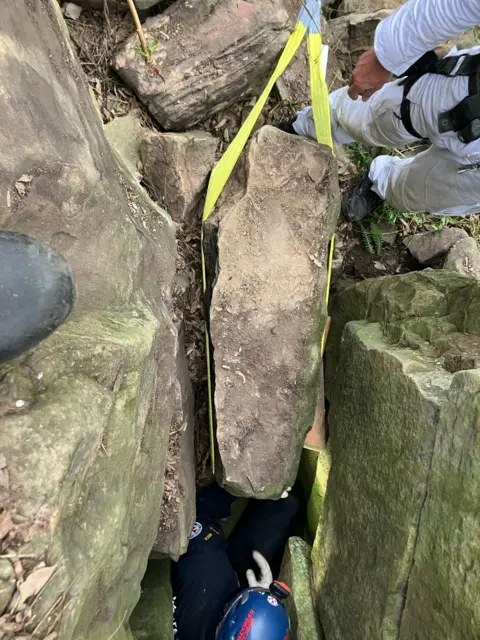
(368, 76)
(266, 577)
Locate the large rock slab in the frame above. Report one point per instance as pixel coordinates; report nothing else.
(267, 250)
(176, 167)
(178, 505)
(85, 417)
(392, 554)
(296, 572)
(211, 54)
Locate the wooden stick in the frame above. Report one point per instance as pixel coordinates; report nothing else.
(138, 25)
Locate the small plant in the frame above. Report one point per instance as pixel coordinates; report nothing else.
(377, 237)
(151, 49)
(372, 238)
(360, 157)
(367, 241)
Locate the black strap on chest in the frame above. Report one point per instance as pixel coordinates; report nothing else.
(465, 117)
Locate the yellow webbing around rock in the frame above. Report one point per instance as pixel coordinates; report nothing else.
(308, 24)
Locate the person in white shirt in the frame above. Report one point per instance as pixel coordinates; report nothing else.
(445, 179)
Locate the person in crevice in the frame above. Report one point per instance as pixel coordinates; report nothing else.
(217, 594)
(435, 101)
(37, 292)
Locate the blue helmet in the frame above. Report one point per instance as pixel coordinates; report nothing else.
(256, 614)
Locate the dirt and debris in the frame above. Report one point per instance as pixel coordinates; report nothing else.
(22, 577)
(170, 499)
(95, 36)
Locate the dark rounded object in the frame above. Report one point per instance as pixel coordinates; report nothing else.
(37, 292)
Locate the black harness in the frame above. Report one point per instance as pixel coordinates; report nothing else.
(464, 119)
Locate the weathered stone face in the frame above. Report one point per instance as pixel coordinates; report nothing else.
(270, 236)
(296, 572)
(464, 258)
(366, 6)
(354, 34)
(210, 55)
(85, 447)
(392, 558)
(176, 166)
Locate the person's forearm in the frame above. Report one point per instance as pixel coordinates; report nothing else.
(419, 26)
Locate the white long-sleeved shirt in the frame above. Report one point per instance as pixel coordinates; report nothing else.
(419, 26)
(402, 38)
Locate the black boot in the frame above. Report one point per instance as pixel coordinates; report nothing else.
(361, 201)
(37, 292)
(287, 126)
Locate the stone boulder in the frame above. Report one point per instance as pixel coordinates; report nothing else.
(176, 167)
(210, 55)
(266, 246)
(368, 6)
(394, 549)
(296, 572)
(353, 34)
(464, 258)
(294, 84)
(85, 417)
(428, 247)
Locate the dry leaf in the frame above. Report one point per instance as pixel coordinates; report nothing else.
(315, 261)
(20, 187)
(35, 582)
(379, 266)
(6, 524)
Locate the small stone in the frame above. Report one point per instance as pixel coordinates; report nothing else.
(426, 248)
(464, 258)
(20, 403)
(72, 11)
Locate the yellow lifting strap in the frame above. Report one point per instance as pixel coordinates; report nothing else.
(308, 23)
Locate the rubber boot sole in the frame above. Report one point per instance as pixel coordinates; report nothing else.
(37, 292)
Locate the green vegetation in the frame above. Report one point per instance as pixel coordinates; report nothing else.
(407, 222)
(151, 49)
